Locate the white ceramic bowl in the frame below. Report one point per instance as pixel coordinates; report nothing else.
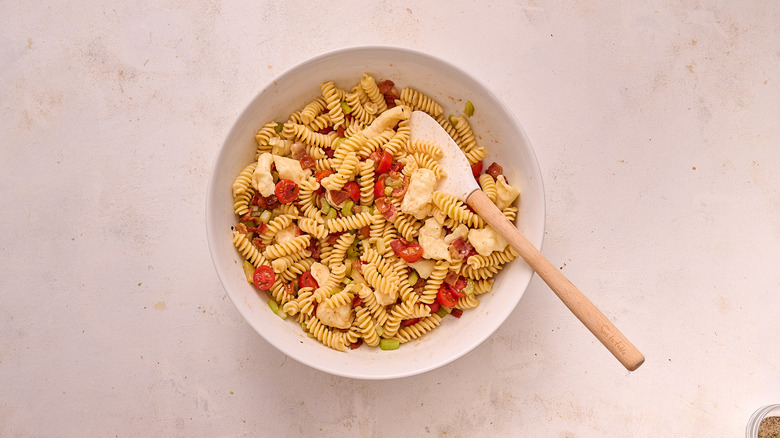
(495, 129)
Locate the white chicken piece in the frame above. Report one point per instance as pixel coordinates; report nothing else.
(290, 169)
(505, 194)
(432, 242)
(340, 317)
(262, 180)
(417, 200)
(486, 240)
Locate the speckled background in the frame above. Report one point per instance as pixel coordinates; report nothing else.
(656, 126)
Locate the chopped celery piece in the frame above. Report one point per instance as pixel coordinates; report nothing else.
(442, 312)
(303, 326)
(279, 127)
(282, 314)
(275, 176)
(389, 344)
(338, 142)
(274, 307)
(249, 271)
(325, 206)
(469, 109)
(345, 108)
(348, 271)
(380, 245)
(371, 209)
(347, 281)
(388, 191)
(394, 183)
(334, 292)
(450, 119)
(469, 289)
(265, 217)
(379, 330)
(413, 277)
(352, 253)
(256, 213)
(356, 277)
(331, 214)
(346, 210)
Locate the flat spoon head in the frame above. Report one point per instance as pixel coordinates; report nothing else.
(459, 181)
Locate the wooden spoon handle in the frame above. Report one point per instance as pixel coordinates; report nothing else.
(576, 301)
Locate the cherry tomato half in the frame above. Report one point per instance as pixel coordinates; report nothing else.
(353, 189)
(379, 188)
(445, 296)
(322, 174)
(264, 277)
(286, 191)
(476, 168)
(384, 163)
(411, 252)
(307, 280)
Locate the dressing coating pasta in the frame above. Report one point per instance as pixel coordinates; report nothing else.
(361, 246)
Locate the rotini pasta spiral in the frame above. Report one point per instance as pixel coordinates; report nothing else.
(369, 301)
(431, 149)
(297, 269)
(313, 138)
(326, 335)
(312, 110)
(467, 302)
(434, 281)
(495, 258)
(247, 249)
(366, 327)
(418, 101)
(243, 181)
(418, 329)
(333, 103)
(366, 182)
(467, 142)
(347, 171)
(277, 224)
(372, 91)
(241, 202)
(311, 226)
(428, 162)
(456, 209)
(385, 285)
(488, 185)
(285, 248)
(354, 222)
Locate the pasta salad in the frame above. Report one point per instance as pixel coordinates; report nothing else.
(340, 223)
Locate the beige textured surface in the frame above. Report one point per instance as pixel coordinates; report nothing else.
(657, 128)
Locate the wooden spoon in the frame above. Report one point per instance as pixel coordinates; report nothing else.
(460, 183)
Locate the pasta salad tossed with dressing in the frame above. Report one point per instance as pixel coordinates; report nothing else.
(340, 223)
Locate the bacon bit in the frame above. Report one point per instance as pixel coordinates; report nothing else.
(258, 243)
(385, 86)
(356, 344)
(298, 150)
(365, 232)
(376, 156)
(333, 237)
(457, 313)
(314, 247)
(460, 248)
(338, 196)
(329, 152)
(307, 162)
(241, 228)
(259, 201)
(271, 202)
(408, 322)
(357, 265)
(451, 278)
(396, 246)
(401, 191)
(340, 132)
(357, 301)
(260, 229)
(325, 130)
(387, 209)
(420, 283)
(494, 170)
(289, 288)
(397, 166)
(247, 218)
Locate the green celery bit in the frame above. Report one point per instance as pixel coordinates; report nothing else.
(388, 191)
(348, 271)
(282, 314)
(303, 326)
(345, 108)
(389, 344)
(274, 307)
(371, 210)
(469, 109)
(325, 206)
(338, 142)
(265, 217)
(279, 127)
(394, 183)
(413, 277)
(352, 253)
(347, 280)
(442, 312)
(331, 214)
(379, 330)
(275, 176)
(346, 210)
(334, 292)
(469, 289)
(450, 119)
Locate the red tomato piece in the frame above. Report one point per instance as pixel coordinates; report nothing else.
(353, 189)
(411, 252)
(322, 174)
(435, 306)
(357, 344)
(357, 301)
(286, 191)
(307, 280)
(476, 168)
(385, 163)
(494, 170)
(445, 296)
(264, 277)
(457, 313)
(379, 187)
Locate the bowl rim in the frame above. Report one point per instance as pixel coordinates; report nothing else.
(211, 188)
